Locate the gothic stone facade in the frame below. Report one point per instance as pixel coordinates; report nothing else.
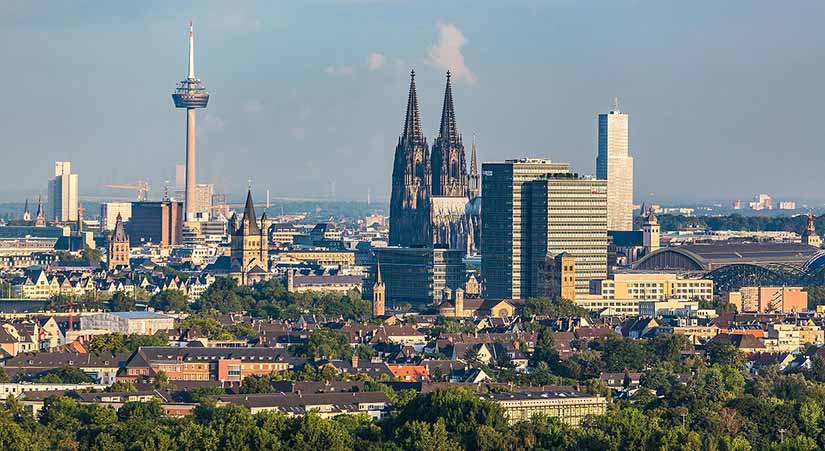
(434, 201)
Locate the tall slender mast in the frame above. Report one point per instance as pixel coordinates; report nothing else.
(191, 52)
(190, 94)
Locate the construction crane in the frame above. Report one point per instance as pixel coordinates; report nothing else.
(142, 188)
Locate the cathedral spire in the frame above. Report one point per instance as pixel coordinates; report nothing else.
(412, 122)
(449, 130)
(448, 162)
(27, 216)
(40, 219)
(474, 185)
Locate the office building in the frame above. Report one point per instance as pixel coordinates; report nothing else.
(615, 165)
(654, 287)
(416, 275)
(203, 198)
(769, 299)
(159, 223)
(63, 200)
(762, 202)
(109, 211)
(568, 215)
(505, 221)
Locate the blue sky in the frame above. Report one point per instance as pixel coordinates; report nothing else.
(725, 98)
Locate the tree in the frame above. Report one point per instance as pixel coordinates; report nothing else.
(92, 257)
(544, 351)
(208, 326)
(122, 343)
(622, 353)
(257, 384)
(120, 302)
(723, 353)
(328, 344)
(554, 308)
(161, 381)
(816, 296)
(63, 375)
(669, 347)
(170, 301)
(122, 387)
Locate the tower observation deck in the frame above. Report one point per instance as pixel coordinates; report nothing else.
(190, 94)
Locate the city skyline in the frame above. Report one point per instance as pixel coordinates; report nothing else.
(335, 111)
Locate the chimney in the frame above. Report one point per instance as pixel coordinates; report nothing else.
(355, 360)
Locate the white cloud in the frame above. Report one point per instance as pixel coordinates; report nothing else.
(375, 61)
(339, 71)
(253, 107)
(298, 133)
(210, 123)
(446, 53)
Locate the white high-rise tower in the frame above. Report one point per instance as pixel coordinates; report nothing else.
(190, 94)
(615, 165)
(63, 200)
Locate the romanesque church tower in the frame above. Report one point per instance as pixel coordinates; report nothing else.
(250, 246)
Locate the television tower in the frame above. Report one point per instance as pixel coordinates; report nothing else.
(190, 94)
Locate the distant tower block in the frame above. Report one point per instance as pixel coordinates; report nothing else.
(190, 94)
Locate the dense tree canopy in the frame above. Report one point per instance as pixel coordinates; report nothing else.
(124, 343)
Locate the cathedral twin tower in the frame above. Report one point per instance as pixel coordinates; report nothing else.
(434, 200)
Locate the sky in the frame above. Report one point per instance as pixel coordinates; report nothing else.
(726, 99)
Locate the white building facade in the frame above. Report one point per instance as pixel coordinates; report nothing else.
(614, 164)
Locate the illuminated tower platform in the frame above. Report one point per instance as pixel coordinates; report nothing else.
(190, 94)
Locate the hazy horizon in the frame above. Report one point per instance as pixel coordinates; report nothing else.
(724, 99)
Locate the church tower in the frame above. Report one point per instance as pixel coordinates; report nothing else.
(378, 293)
(474, 180)
(448, 162)
(249, 248)
(411, 181)
(809, 236)
(118, 246)
(40, 219)
(27, 215)
(650, 232)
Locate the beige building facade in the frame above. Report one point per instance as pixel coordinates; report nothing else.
(615, 165)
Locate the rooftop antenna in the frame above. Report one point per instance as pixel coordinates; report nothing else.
(166, 190)
(616, 104)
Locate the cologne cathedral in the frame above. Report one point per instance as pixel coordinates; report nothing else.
(434, 201)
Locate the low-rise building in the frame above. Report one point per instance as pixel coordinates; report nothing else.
(143, 323)
(653, 286)
(327, 405)
(569, 406)
(14, 390)
(227, 365)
